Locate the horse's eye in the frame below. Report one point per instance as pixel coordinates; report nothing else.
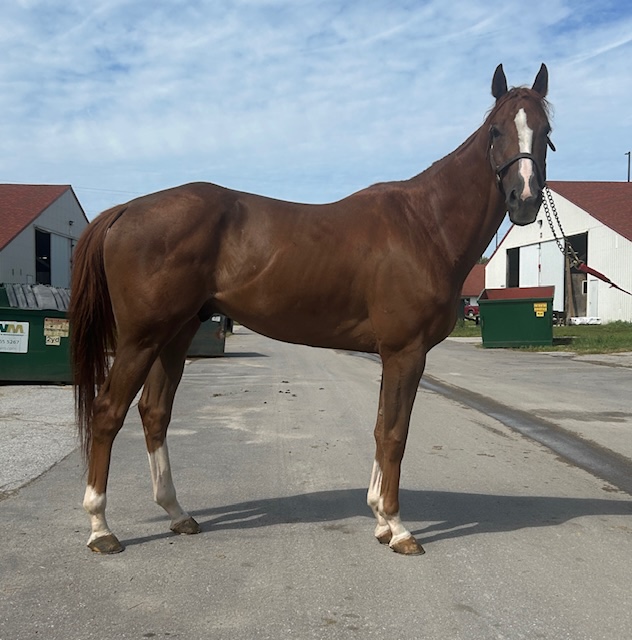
(494, 131)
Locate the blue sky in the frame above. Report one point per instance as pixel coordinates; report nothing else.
(297, 99)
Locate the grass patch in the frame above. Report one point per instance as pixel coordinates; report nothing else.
(466, 329)
(604, 338)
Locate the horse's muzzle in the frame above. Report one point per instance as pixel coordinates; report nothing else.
(523, 211)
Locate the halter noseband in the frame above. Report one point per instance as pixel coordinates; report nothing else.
(499, 170)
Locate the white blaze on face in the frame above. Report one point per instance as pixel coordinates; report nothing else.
(525, 142)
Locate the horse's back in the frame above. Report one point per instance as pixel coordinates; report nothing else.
(327, 275)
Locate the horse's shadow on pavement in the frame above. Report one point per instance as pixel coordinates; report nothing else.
(448, 514)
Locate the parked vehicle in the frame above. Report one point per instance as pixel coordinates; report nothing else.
(471, 312)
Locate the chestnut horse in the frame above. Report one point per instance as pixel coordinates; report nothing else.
(380, 271)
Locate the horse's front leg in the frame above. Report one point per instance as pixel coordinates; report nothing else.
(382, 530)
(155, 407)
(400, 380)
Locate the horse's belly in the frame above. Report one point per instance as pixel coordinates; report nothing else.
(350, 334)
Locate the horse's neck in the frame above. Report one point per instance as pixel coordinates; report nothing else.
(466, 207)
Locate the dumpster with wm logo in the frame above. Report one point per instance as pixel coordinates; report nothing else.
(517, 316)
(34, 333)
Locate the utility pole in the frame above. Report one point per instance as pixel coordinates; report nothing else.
(628, 154)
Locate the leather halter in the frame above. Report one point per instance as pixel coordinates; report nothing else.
(499, 170)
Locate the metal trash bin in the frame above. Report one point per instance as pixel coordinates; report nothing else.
(517, 316)
(210, 339)
(34, 333)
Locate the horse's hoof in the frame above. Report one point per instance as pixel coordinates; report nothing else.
(106, 544)
(385, 537)
(188, 526)
(408, 547)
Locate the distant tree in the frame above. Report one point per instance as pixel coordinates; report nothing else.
(482, 260)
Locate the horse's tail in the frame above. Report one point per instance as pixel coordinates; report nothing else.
(93, 328)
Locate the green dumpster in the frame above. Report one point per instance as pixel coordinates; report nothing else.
(210, 339)
(517, 316)
(34, 329)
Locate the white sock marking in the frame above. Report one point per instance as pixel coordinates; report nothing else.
(373, 496)
(373, 499)
(94, 503)
(384, 522)
(164, 490)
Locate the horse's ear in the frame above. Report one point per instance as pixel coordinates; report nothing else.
(541, 84)
(499, 83)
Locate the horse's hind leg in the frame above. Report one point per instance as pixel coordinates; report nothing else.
(155, 408)
(126, 376)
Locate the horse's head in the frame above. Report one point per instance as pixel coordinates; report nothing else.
(519, 135)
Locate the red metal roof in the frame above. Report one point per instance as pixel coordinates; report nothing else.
(608, 202)
(475, 282)
(20, 204)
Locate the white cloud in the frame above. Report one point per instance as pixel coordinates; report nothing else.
(304, 100)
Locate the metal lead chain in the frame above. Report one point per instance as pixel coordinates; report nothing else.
(548, 199)
(565, 247)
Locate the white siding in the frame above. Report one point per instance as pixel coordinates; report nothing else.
(608, 252)
(17, 260)
(496, 270)
(592, 304)
(529, 263)
(611, 254)
(552, 272)
(59, 260)
(64, 217)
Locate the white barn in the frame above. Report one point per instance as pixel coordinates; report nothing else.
(596, 218)
(39, 227)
